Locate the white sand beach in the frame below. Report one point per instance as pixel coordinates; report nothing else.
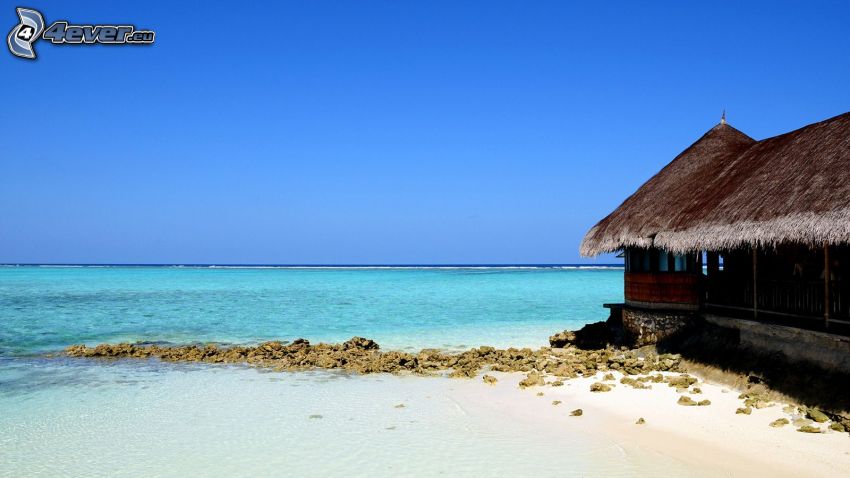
(712, 439)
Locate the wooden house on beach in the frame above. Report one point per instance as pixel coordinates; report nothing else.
(735, 228)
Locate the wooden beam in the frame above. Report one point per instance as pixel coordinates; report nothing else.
(826, 280)
(755, 283)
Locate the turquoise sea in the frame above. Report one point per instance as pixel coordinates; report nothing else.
(44, 309)
(73, 417)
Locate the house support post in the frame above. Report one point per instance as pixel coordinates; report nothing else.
(826, 280)
(755, 283)
(712, 262)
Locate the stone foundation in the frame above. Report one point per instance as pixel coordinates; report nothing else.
(649, 327)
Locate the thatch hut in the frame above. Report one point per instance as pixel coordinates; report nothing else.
(756, 229)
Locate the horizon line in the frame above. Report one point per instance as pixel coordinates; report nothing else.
(306, 265)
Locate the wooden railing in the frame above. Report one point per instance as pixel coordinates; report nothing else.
(796, 298)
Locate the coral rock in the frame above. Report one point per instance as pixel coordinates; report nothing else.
(779, 422)
(600, 387)
(817, 415)
(686, 401)
(360, 343)
(533, 379)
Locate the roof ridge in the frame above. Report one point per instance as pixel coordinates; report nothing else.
(810, 125)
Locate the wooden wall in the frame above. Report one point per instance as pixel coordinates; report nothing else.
(663, 288)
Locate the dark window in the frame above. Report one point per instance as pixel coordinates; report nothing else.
(663, 261)
(639, 260)
(660, 261)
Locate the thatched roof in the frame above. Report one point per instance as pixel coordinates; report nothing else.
(728, 190)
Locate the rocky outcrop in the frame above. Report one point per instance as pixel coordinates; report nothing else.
(650, 327)
(562, 339)
(363, 355)
(597, 335)
(630, 327)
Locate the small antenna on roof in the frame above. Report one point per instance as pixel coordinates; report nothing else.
(723, 117)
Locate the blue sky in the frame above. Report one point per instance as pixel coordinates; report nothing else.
(383, 132)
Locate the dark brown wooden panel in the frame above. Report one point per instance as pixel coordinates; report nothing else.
(669, 288)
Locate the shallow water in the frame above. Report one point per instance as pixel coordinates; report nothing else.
(125, 418)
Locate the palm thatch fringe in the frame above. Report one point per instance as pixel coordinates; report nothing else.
(804, 228)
